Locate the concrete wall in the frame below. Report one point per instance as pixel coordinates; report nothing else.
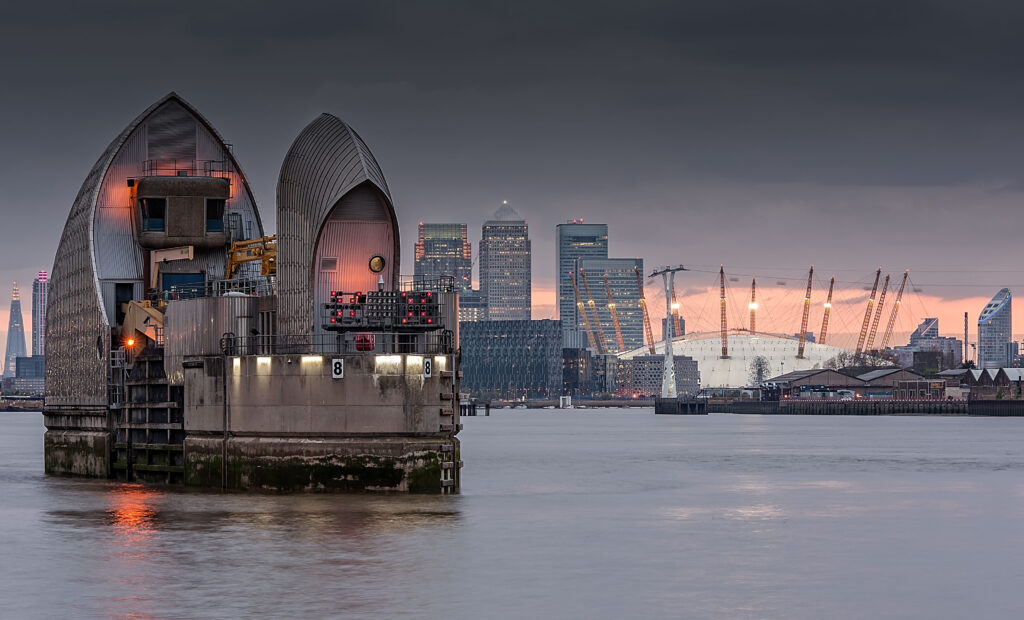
(295, 394)
(284, 423)
(78, 442)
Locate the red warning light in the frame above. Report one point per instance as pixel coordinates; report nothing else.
(405, 320)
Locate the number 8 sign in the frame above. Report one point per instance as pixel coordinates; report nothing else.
(338, 368)
(428, 367)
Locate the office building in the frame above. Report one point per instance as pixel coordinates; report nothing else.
(994, 323)
(927, 350)
(505, 263)
(443, 250)
(29, 377)
(512, 359)
(15, 335)
(39, 289)
(616, 276)
(641, 376)
(472, 306)
(576, 241)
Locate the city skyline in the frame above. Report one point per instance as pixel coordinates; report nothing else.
(753, 152)
(745, 145)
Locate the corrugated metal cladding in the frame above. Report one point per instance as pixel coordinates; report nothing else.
(98, 242)
(326, 162)
(195, 327)
(171, 133)
(352, 243)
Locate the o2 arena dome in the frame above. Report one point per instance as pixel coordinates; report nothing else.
(779, 353)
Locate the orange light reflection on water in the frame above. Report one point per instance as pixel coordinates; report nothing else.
(133, 513)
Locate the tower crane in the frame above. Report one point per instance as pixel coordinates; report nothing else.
(878, 314)
(867, 314)
(807, 313)
(828, 309)
(643, 310)
(753, 305)
(895, 310)
(602, 343)
(725, 326)
(582, 311)
(615, 315)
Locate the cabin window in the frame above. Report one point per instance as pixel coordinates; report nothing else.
(215, 215)
(154, 213)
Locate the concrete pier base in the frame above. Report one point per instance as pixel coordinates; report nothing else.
(408, 464)
(78, 453)
(680, 406)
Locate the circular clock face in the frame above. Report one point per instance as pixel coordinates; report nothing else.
(377, 264)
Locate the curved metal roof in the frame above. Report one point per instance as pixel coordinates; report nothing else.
(326, 161)
(77, 327)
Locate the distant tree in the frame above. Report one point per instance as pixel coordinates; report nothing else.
(758, 370)
(968, 364)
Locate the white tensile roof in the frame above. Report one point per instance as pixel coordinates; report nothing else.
(779, 352)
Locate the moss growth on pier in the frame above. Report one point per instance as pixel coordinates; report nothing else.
(426, 479)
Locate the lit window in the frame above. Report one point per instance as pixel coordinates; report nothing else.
(154, 213)
(214, 215)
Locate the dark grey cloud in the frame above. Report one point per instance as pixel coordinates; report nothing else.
(843, 134)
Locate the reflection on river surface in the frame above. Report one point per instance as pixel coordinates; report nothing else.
(563, 514)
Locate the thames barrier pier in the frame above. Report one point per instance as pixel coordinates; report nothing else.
(187, 346)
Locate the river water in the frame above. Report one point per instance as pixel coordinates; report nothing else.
(563, 514)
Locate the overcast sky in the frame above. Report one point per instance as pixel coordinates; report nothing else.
(763, 135)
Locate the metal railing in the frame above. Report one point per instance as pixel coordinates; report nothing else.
(439, 342)
(441, 284)
(186, 168)
(257, 287)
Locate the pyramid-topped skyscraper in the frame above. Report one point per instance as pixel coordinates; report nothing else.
(15, 334)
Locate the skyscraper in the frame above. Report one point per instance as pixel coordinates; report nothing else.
(505, 263)
(39, 288)
(621, 281)
(15, 335)
(994, 324)
(443, 250)
(576, 241)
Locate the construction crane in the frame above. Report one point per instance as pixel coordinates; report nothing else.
(725, 326)
(615, 315)
(263, 249)
(828, 309)
(867, 314)
(582, 311)
(878, 314)
(602, 343)
(677, 327)
(807, 313)
(753, 305)
(895, 310)
(643, 310)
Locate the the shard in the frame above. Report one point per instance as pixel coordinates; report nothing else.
(15, 334)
